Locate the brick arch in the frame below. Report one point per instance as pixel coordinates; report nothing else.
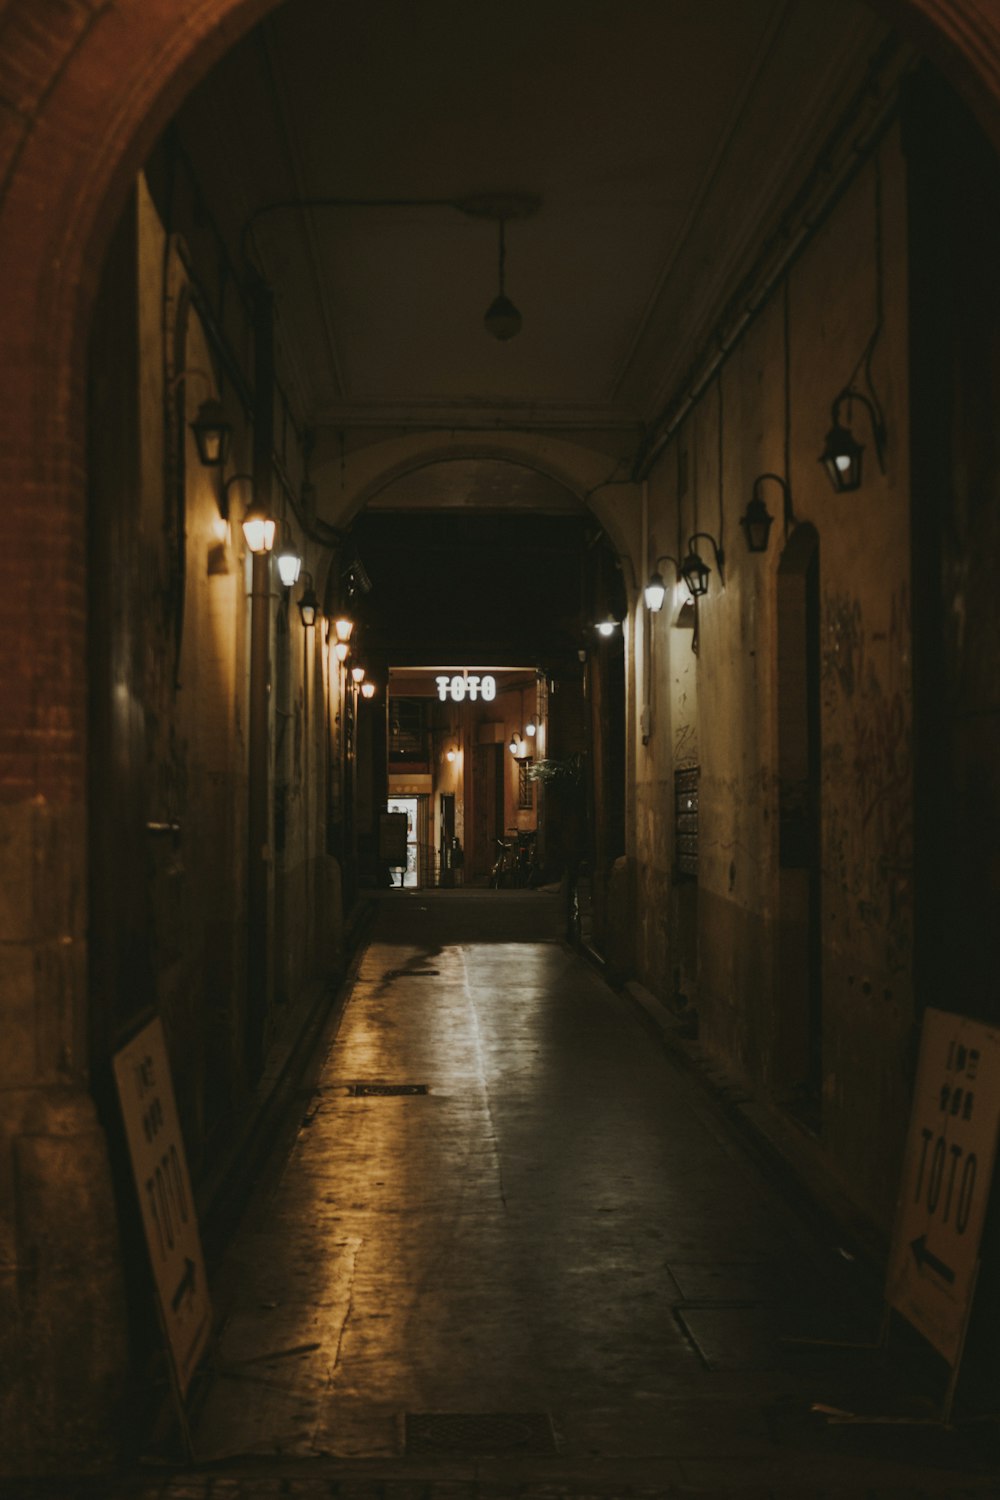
(85, 88)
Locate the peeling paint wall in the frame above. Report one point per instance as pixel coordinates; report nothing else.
(736, 941)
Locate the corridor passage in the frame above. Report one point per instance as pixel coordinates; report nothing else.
(555, 1270)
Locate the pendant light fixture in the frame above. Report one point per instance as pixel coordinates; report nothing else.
(502, 318)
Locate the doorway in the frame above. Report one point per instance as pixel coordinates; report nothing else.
(408, 876)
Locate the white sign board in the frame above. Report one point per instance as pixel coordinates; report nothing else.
(462, 685)
(946, 1178)
(161, 1178)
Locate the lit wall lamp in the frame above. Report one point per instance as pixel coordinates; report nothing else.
(841, 456)
(517, 745)
(343, 626)
(258, 525)
(695, 571)
(308, 604)
(289, 566)
(358, 675)
(656, 589)
(341, 651)
(757, 519)
(531, 729)
(368, 690)
(449, 755)
(607, 627)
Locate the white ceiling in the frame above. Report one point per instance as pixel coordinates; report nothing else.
(663, 138)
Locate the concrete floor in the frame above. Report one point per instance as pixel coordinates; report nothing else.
(563, 1242)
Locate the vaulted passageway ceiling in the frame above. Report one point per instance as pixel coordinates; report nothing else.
(664, 139)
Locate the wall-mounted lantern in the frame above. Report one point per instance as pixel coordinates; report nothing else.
(695, 571)
(358, 675)
(655, 591)
(308, 604)
(289, 566)
(842, 453)
(343, 626)
(606, 628)
(757, 519)
(212, 433)
(368, 690)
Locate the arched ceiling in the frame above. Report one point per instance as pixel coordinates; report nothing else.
(475, 484)
(663, 139)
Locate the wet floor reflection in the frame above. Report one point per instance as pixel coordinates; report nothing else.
(559, 1226)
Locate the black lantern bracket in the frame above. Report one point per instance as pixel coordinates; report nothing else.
(695, 571)
(757, 519)
(308, 604)
(211, 428)
(842, 453)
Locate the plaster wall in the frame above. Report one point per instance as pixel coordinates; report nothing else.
(720, 943)
(196, 689)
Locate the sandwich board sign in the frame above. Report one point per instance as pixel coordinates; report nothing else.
(947, 1170)
(156, 1149)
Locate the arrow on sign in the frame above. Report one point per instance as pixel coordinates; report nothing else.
(186, 1284)
(925, 1257)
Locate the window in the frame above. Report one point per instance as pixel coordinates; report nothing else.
(525, 785)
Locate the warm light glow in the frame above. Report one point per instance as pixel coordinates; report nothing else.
(450, 755)
(531, 728)
(607, 627)
(368, 690)
(343, 626)
(341, 650)
(258, 528)
(358, 673)
(289, 566)
(656, 592)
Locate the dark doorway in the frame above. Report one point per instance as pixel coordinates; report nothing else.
(487, 807)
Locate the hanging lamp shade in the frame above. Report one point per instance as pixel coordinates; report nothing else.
(308, 605)
(258, 528)
(757, 522)
(655, 592)
(695, 572)
(502, 318)
(289, 566)
(212, 432)
(841, 458)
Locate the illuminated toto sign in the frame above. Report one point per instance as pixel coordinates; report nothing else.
(466, 685)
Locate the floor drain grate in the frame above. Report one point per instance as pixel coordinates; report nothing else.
(385, 1090)
(487, 1433)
